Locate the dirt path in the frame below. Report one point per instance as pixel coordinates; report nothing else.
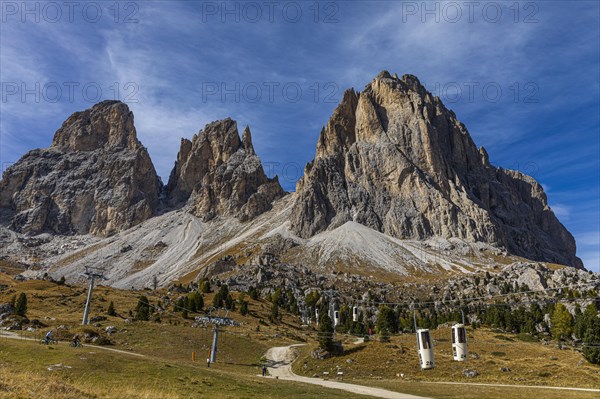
(9, 335)
(280, 365)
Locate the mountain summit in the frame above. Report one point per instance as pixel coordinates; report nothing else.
(219, 174)
(395, 159)
(96, 178)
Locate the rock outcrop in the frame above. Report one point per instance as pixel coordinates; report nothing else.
(217, 173)
(395, 159)
(96, 178)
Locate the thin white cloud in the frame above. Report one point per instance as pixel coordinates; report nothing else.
(562, 212)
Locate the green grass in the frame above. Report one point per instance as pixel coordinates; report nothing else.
(94, 373)
(167, 371)
(388, 361)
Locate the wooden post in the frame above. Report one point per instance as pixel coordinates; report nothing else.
(193, 356)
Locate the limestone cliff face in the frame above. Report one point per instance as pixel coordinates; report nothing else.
(219, 174)
(395, 159)
(96, 178)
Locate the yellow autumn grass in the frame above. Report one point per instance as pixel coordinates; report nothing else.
(27, 384)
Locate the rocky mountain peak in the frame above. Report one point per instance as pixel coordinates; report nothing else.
(217, 173)
(395, 159)
(106, 124)
(96, 177)
(339, 133)
(247, 141)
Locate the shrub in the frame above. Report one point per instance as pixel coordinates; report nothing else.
(111, 309)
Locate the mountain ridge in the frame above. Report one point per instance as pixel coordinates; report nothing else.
(391, 158)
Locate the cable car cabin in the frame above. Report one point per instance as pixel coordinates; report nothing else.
(459, 342)
(425, 349)
(355, 314)
(336, 318)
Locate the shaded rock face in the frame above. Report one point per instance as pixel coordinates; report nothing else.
(96, 178)
(395, 159)
(218, 173)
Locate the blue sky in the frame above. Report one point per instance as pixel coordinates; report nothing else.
(523, 76)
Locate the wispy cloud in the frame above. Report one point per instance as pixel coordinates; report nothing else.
(172, 52)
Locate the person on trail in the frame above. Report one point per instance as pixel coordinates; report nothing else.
(76, 341)
(208, 362)
(48, 337)
(264, 370)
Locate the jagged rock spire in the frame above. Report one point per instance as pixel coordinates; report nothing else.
(219, 174)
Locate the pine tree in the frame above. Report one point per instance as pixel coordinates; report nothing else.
(21, 304)
(591, 350)
(253, 292)
(195, 301)
(111, 309)
(562, 322)
(205, 286)
(277, 297)
(229, 304)
(244, 308)
(274, 313)
(325, 332)
(387, 320)
(142, 310)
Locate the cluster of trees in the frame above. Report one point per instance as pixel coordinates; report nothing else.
(281, 299)
(193, 302)
(223, 298)
(583, 325)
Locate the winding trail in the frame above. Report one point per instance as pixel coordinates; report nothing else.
(280, 361)
(280, 365)
(9, 335)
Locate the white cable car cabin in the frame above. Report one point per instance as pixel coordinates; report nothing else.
(355, 314)
(459, 342)
(425, 349)
(336, 318)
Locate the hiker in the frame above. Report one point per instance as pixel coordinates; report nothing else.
(208, 362)
(48, 337)
(76, 341)
(264, 370)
